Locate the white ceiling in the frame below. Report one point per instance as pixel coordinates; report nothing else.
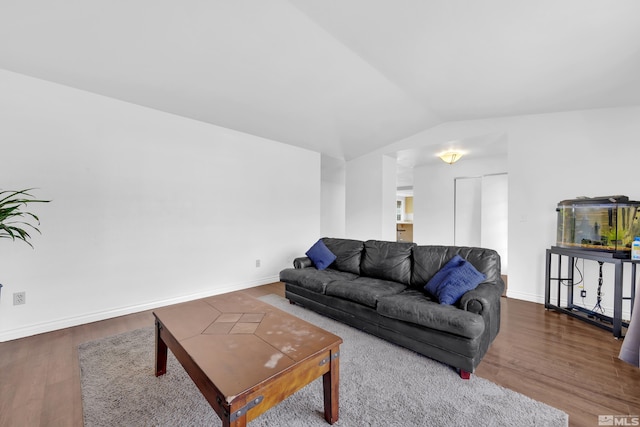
(341, 77)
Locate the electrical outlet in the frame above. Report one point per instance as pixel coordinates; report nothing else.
(583, 293)
(19, 298)
(257, 263)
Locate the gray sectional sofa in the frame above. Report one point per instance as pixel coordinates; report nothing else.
(378, 287)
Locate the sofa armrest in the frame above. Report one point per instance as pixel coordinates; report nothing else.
(485, 301)
(302, 262)
(482, 298)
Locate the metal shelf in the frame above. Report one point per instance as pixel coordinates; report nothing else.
(614, 323)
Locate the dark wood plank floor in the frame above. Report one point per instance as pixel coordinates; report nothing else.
(547, 356)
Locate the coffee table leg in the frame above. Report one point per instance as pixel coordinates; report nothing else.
(161, 352)
(239, 422)
(330, 385)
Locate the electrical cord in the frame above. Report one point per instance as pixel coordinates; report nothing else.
(597, 307)
(575, 267)
(599, 294)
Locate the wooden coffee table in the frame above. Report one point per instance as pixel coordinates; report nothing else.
(247, 356)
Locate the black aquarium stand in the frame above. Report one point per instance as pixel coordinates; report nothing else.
(611, 323)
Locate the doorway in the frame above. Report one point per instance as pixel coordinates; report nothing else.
(481, 213)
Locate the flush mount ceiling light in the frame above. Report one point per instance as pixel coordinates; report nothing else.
(451, 156)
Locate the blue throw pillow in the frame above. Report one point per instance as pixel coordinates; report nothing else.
(453, 280)
(320, 254)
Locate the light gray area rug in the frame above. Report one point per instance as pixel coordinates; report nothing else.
(381, 384)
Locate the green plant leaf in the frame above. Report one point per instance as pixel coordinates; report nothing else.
(13, 219)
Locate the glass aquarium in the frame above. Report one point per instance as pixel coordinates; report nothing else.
(607, 224)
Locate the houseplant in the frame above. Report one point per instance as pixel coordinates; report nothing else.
(14, 219)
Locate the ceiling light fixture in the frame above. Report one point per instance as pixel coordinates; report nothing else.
(451, 156)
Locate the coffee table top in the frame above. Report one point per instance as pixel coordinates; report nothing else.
(240, 342)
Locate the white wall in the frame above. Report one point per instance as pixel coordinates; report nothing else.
(467, 226)
(147, 208)
(551, 157)
(371, 198)
(333, 199)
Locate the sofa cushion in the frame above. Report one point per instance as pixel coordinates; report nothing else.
(387, 261)
(313, 279)
(428, 260)
(348, 253)
(453, 280)
(363, 290)
(321, 256)
(416, 307)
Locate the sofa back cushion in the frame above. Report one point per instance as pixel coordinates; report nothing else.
(387, 260)
(428, 260)
(348, 254)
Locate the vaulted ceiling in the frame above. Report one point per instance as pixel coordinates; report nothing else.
(342, 77)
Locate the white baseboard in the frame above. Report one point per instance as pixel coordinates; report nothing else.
(39, 328)
(608, 311)
(525, 296)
